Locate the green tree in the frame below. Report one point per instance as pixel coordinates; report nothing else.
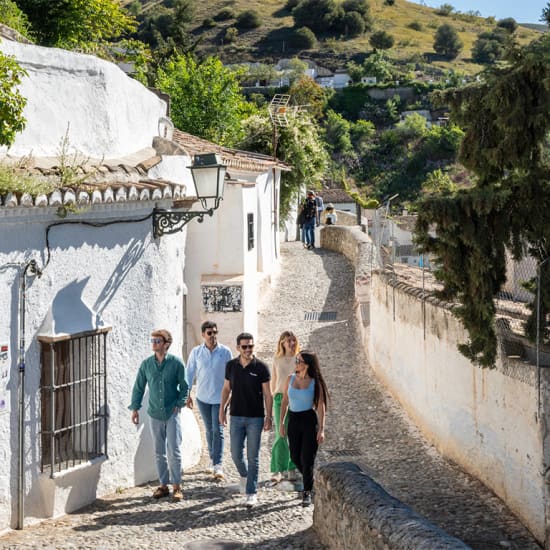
(545, 16)
(491, 46)
(205, 98)
(12, 102)
(318, 15)
(299, 145)
(381, 40)
(447, 41)
(13, 17)
(438, 183)
(377, 65)
(76, 23)
(507, 120)
(337, 134)
(353, 24)
(309, 96)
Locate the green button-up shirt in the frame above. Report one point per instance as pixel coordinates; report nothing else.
(167, 386)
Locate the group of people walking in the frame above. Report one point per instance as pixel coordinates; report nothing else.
(292, 395)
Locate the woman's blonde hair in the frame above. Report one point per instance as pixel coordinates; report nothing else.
(284, 336)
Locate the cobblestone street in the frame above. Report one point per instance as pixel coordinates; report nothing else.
(364, 425)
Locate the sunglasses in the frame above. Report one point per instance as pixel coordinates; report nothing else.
(210, 332)
(157, 340)
(247, 346)
(299, 360)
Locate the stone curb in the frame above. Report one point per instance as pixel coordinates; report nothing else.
(353, 511)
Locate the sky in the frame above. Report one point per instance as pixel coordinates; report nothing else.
(523, 11)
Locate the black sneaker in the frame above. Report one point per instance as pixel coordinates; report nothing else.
(306, 499)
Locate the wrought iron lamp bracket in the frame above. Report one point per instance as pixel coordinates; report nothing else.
(167, 222)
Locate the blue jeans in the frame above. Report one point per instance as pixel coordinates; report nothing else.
(309, 228)
(167, 442)
(250, 429)
(214, 430)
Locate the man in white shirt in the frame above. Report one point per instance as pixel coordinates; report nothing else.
(206, 365)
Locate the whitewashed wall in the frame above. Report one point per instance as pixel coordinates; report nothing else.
(136, 284)
(109, 114)
(484, 419)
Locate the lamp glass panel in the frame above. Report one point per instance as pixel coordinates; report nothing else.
(206, 181)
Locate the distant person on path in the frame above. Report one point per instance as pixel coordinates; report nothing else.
(206, 365)
(305, 397)
(247, 385)
(330, 216)
(310, 219)
(165, 376)
(320, 207)
(284, 365)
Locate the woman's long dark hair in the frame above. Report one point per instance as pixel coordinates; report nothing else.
(314, 371)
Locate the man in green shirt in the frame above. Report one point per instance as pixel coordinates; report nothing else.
(165, 376)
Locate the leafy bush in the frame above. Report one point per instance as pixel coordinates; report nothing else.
(381, 40)
(12, 102)
(303, 39)
(231, 34)
(445, 10)
(415, 26)
(509, 24)
(291, 4)
(225, 14)
(13, 17)
(389, 2)
(248, 19)
(208, 23)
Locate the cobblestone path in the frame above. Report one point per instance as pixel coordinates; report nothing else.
(364, 425)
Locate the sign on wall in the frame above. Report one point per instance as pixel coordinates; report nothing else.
(4, 377)
(221, 298)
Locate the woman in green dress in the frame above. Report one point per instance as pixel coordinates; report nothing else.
(283, 365)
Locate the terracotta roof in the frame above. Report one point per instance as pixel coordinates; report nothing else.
(233, 158)
(98, 184)
(335, 196)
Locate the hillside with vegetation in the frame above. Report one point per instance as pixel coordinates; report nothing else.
(269, 34)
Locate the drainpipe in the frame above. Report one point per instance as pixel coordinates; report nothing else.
(32, 269)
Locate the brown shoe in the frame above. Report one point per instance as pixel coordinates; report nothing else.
(161, 492)
(177, 495)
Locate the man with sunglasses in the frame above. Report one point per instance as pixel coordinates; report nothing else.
(165, 376)
(247, 385)
(206, 365)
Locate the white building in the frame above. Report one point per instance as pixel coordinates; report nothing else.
(106, 281)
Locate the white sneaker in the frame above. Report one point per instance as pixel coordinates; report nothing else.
(242, 486)
(276, 477)
(251, 500)
(210, 468)
(218, 471)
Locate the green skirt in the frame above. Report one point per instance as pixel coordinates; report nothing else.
(280, 453)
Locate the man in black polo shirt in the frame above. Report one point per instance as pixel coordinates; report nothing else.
(247, 384)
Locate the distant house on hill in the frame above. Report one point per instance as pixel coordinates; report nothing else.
(340, 199)
(89, 269)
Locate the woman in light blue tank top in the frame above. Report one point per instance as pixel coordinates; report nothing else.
(305, 398)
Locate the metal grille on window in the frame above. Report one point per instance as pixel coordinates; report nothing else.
(74, 401)
(250, 226)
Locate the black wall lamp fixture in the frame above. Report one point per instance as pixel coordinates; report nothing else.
(209, 177)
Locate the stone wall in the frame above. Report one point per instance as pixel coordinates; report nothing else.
(353, 511)
(492, 422)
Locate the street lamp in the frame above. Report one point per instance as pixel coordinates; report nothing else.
(209, 177)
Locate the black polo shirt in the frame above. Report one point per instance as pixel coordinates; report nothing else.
(247, 398)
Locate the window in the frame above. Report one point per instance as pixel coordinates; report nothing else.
(250, 226)
(74, 401)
